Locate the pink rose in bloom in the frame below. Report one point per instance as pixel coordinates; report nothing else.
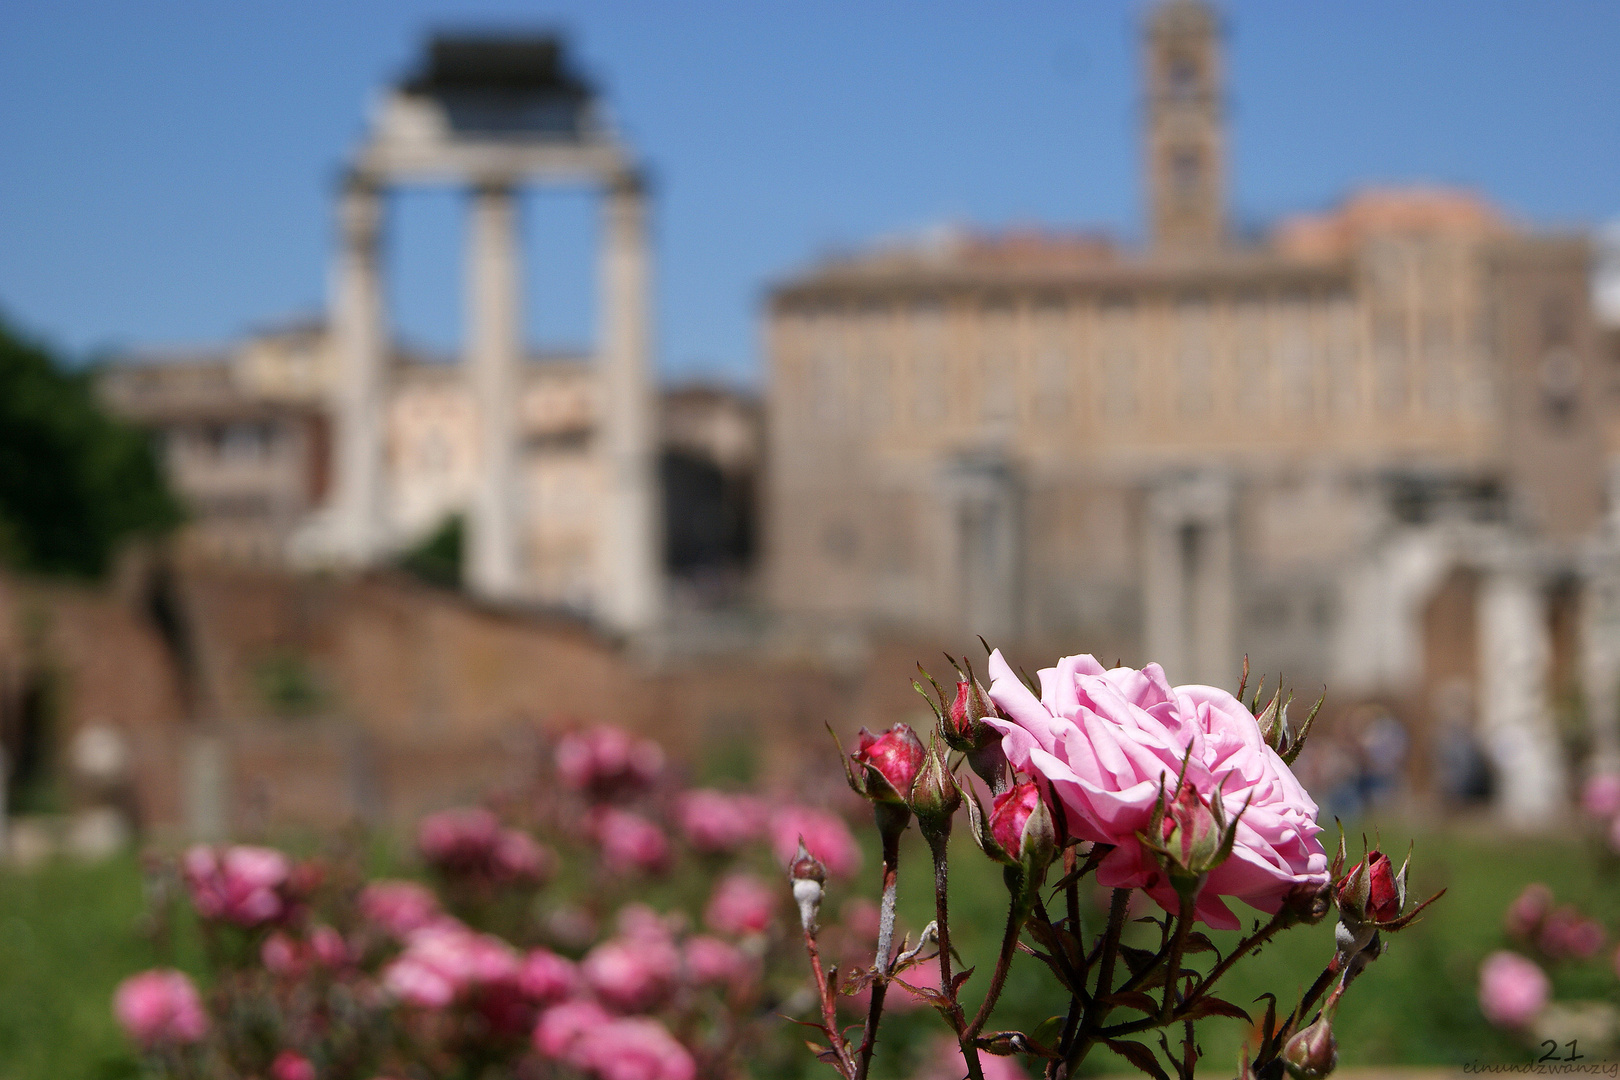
(418, 983)
(160, 1008)
(632, 974)
(896, 756)
(741, 904)
(241, 885)
(629, 841)
(1512, 990)
(603, 760)
(712, 962)
(565, 1032)
(1106, 740)
(1528, 911)
(291, 1065)
(639, 1048)
(825, 834)
(1600, 797)
(399, 906)
(546, 978)
(715, 822)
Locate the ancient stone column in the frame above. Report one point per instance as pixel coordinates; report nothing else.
(1515, 714)
(628, 578)
(494, 355)
(360, 343)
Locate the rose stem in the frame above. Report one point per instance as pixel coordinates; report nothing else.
(881, 961)
(1017, 911)
(1172, 971)
(1097, 1011)
(938, 844)
(829, 1008)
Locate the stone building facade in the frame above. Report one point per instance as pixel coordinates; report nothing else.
(1342, 450)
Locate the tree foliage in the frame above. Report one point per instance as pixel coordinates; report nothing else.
(74, 481)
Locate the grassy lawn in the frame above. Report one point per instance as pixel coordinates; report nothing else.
(69, 932)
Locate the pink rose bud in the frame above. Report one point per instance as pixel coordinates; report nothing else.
(1512, 990)
(160, 1008)
(1021, 825)
(240, 885)
(291, 1065)
(1600, 796)
(1568, 935)
(964, 725)
(935, 795)
(1191, 833)
(889, 762)
(741, 904)
(1314, 1053)
(809, 878)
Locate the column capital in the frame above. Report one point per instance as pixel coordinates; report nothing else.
(630, 182)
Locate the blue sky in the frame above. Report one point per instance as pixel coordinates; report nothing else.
(166, 167)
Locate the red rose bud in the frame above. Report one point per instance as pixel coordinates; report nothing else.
(1314, 1053)
(1022, 827)
(1191, 833)
(891, 762)
(1372, 891)
(964, 723)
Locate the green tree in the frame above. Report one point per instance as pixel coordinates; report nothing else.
(74, 481)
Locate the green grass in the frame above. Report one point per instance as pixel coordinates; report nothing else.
(69, 933)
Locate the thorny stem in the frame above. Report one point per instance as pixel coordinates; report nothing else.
(1259, 937)
(1097, 1011)
(829, 1007)
(938, 842)
(882, 960)
(1017, 911)
(1172, 973)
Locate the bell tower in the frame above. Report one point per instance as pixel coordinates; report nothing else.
(1186, 143)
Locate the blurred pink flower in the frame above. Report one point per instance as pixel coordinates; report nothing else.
(399, 906)
(547, 978)
(239, 885)
(1600, 796)
(631, 974)
(566, 1031)
(825, 834)
(443, 961)
(712, 962)
(741, 904)
(1106, 740)
(603, 760)
(1567, 934)
(282, 956)
(291, 1065)
(639, 1048)
(1528, 911)
(715, 822)
(328, 946)
(946, 1063)
(457, 838)
(519, 857)
(160, 1008)
(629, 841)
(1512, 990)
